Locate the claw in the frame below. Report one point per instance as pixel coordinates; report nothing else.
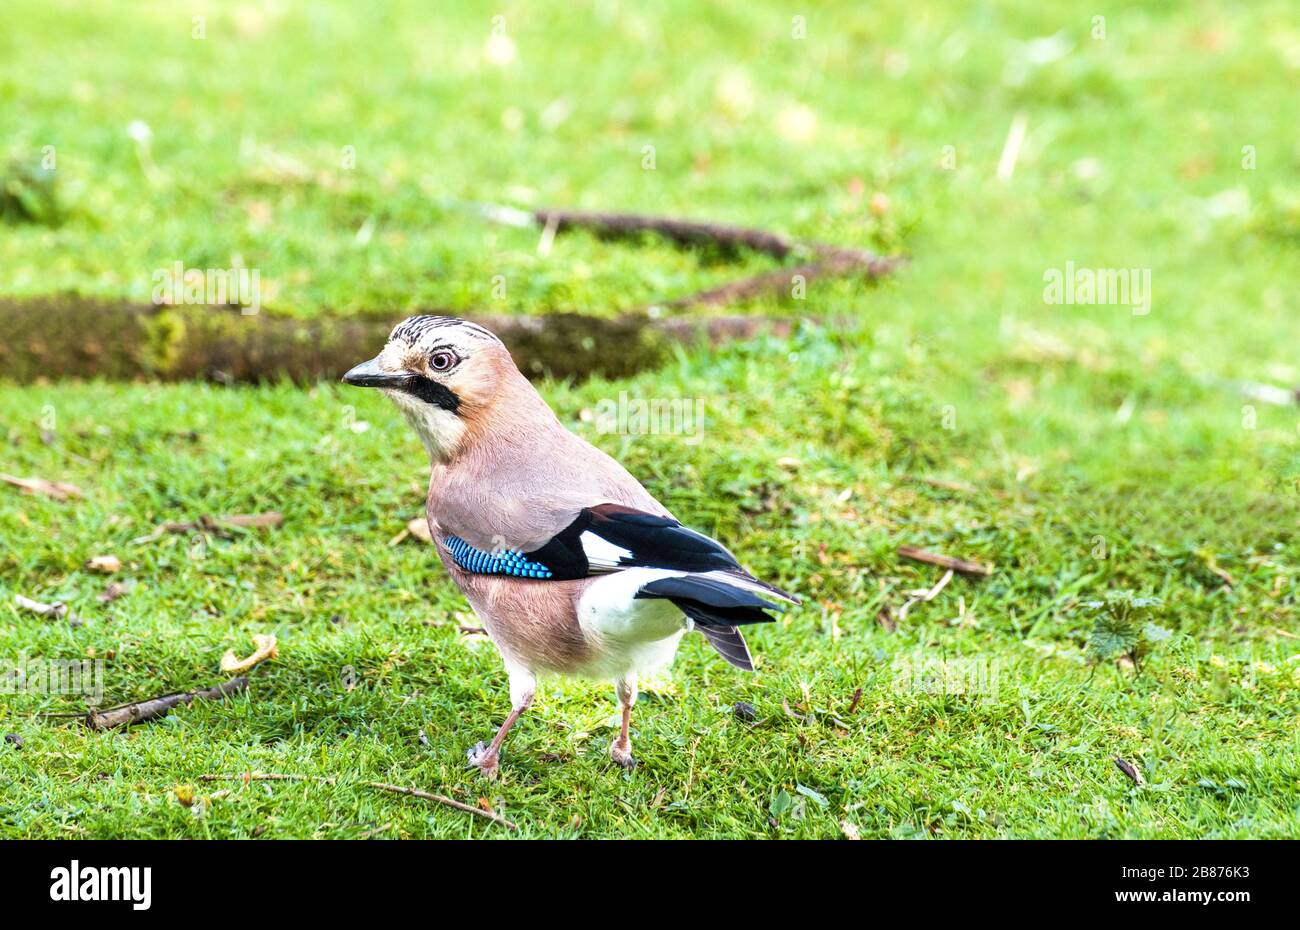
(622, 756)
(484, 759)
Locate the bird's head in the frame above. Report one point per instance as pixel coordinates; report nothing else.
(444, 374)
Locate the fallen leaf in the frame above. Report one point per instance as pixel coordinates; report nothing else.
(266, 649)
(111, 593)
(419, 528)
(59, 490)
(106, 564)
(1129, 769)
(850, 830)
(55, 610)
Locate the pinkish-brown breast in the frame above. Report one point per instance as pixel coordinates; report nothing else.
(533, 623)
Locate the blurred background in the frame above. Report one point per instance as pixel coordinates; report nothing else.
(338, 150)
(344, 153)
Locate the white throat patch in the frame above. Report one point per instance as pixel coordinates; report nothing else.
(440, 430)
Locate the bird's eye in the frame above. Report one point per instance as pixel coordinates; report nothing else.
(442, 361)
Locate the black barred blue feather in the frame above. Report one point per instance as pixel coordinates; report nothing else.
(509, 562)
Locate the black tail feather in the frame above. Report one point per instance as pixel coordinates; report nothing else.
(773, 589)
(730, 645)
(719, 617)
(714, 594)
(717, 608)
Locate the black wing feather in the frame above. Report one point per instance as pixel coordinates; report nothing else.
(659, 542)
(648, 539)
(564, 554)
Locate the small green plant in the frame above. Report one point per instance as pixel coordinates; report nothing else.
(28, 194)
(1123, 627)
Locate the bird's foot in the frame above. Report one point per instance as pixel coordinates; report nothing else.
(482, 757)
(621, 753)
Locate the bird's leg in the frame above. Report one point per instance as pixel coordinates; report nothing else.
(522, 688)
(621, 749)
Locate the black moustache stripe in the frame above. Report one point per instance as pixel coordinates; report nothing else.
(431, 392)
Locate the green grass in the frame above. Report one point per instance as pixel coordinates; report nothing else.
(1106, 451)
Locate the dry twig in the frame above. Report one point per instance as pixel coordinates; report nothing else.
(140, 711)
(683, 232)
(57, 609)
(959, 486)
(785, 705)
(963, 566)
(827, 260)
(857, 698)
(271, 519)
(441, 799)
(246, 777)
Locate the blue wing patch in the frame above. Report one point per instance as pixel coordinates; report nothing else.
(508, 562)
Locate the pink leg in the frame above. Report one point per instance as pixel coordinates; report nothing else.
(621, 749)
(487, 756)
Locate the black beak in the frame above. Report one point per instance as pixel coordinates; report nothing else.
(369, 374)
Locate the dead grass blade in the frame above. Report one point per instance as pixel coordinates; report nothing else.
(59, 490)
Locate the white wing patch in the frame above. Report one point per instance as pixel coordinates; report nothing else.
(602, 554)
(610, 608)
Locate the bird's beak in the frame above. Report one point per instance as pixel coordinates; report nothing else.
(369, 374)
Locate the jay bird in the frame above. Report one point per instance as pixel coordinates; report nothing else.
(571, 565)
